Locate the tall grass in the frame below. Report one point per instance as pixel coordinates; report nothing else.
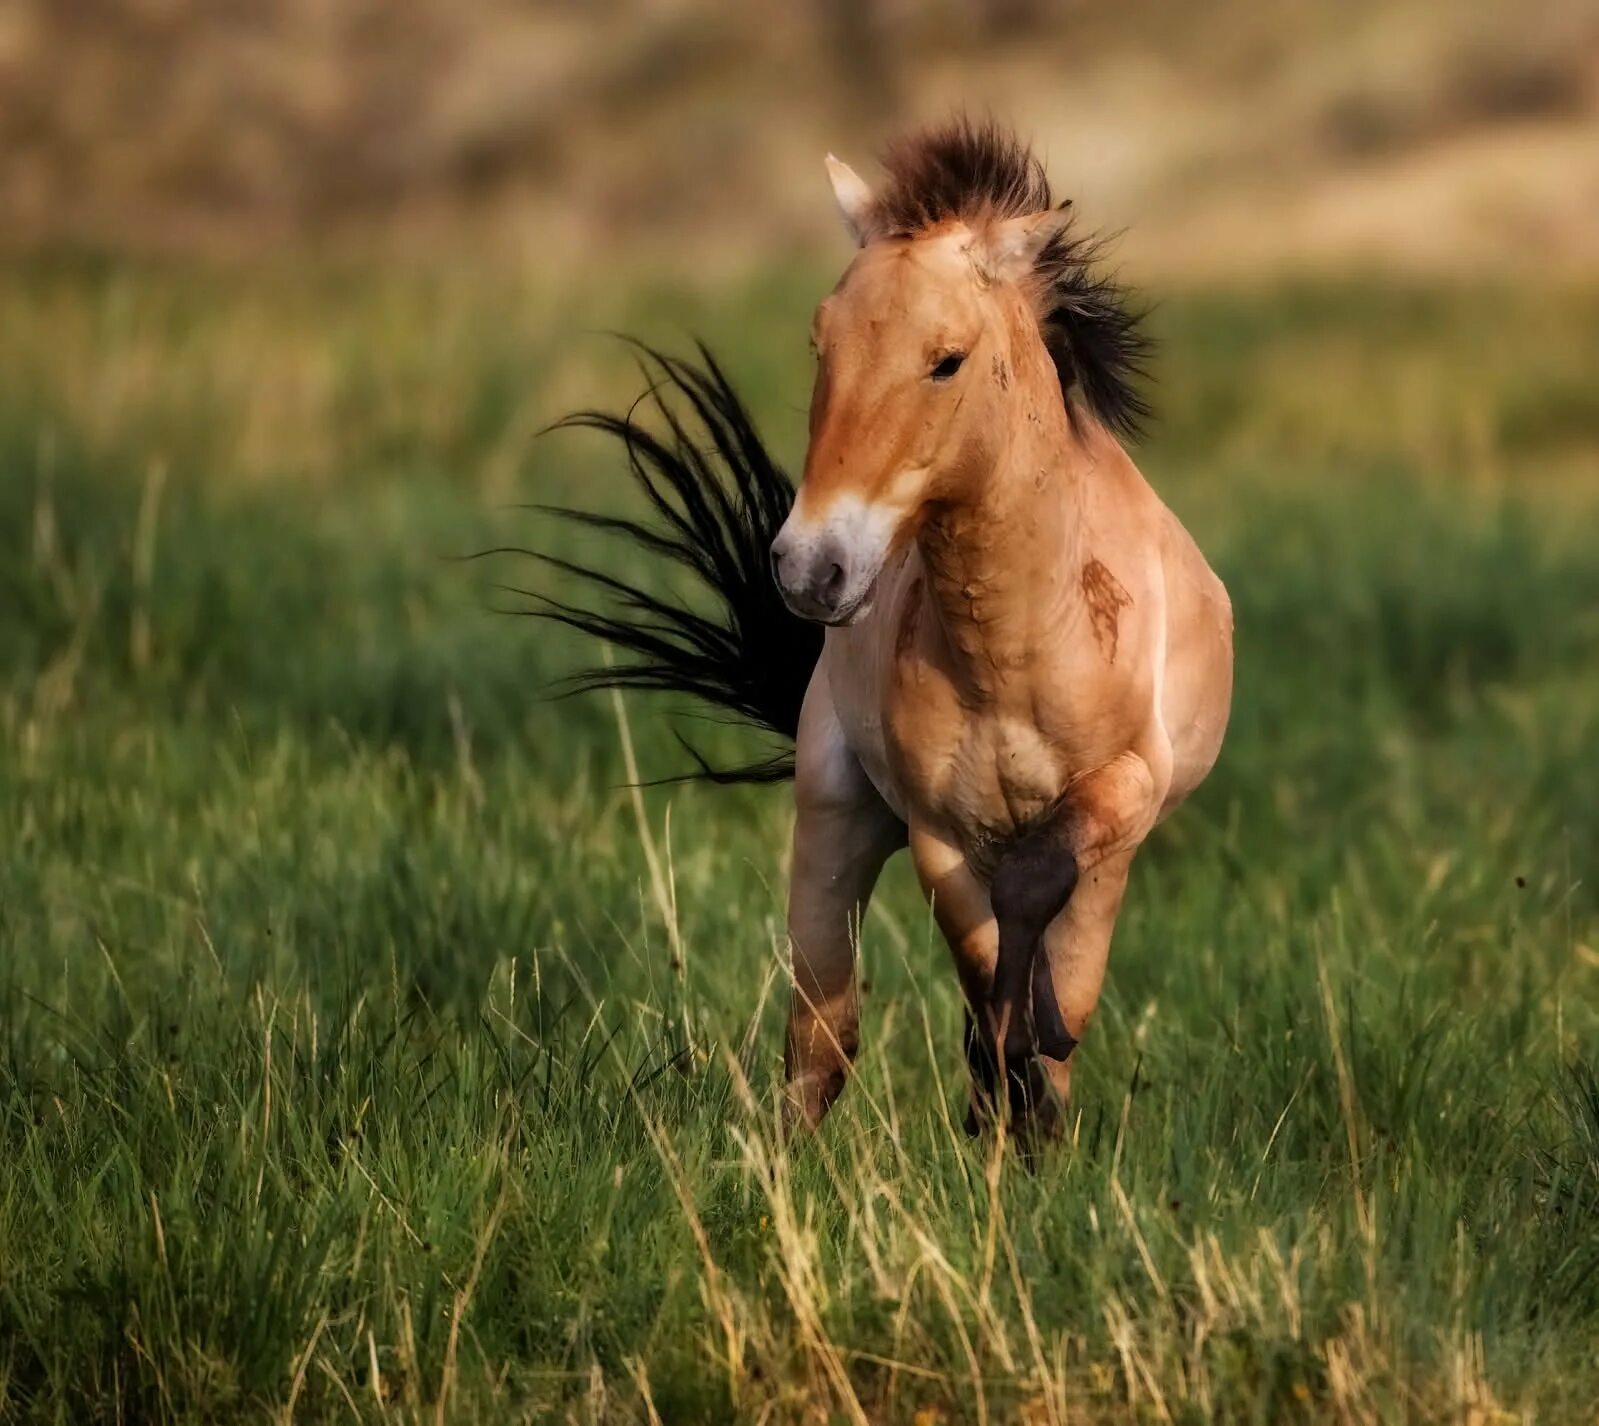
(368, 1049)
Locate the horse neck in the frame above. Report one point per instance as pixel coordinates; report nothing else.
(998, 562)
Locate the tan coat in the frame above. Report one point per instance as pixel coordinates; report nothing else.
(1030, 663)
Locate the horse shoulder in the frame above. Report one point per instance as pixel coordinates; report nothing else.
(854, 670)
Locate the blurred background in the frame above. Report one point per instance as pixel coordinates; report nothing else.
(326, 936)
(686, 134)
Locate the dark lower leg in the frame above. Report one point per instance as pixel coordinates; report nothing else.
(1024, 1090)
(1032, 884)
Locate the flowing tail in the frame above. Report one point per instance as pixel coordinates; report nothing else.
(719, 499)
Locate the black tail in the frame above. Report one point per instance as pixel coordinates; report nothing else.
(719, 506)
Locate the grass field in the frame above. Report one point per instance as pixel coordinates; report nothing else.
(370, 1050)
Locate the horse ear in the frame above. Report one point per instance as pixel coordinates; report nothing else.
(1011, 247)
(854, 198)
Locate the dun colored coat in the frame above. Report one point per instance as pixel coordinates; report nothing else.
(1027, 662)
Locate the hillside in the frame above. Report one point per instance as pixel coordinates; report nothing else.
(1234, 137)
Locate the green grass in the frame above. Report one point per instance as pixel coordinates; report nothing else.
(352, 1064)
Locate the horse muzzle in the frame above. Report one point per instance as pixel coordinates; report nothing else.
(825, 575)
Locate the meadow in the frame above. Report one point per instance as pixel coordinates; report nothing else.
(371, 1049)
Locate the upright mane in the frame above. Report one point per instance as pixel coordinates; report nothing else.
(976, 173)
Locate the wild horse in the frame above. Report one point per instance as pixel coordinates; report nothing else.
(1027, 663)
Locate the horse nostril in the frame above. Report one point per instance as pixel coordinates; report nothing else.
(777, 564)
(834, 580)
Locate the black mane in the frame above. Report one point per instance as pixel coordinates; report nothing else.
(974, 173)
(957, 170)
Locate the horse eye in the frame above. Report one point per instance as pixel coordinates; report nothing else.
(948, 367)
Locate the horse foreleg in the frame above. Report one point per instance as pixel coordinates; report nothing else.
(965, 915)
(1056, 893)
(1076, 948)
(843, 833)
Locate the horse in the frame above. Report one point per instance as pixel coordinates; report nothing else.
(990, 640)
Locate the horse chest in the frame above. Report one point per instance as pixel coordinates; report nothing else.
(981, 776)
(979, 768)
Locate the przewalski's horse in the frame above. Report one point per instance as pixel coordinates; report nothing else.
(1027, 662)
